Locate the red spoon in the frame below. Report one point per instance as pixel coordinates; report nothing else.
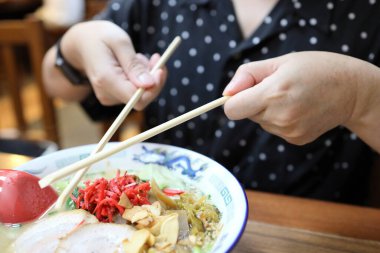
(21, 198)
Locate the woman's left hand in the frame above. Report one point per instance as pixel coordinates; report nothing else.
(298, 96)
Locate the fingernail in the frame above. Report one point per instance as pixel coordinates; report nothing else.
(226, 93)
(229, 88)
(146, 78)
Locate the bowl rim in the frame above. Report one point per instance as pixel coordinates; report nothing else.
(245, 221)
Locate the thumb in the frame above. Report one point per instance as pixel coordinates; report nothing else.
(138, 73)
(250, 74)
(135, 66)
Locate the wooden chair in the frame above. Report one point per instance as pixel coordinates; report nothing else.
(17, 9)
(27, 32)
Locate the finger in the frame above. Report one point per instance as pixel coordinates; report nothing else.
(293, 134)
(136, 68)
(143, 58)
(107, 77)
(110, 82)
(112, 87)
(151, 93)
(248, 102)
(301, 140)
(275, 130)
(159, 76)
(249, 75)
(154, 60)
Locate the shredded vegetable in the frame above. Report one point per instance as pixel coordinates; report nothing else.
(101, 197)
(203, 218)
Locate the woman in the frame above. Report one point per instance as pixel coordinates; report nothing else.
(219, 36)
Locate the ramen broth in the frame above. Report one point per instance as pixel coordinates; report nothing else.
(165, 178)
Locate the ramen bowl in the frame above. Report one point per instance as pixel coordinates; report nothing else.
(187, 166)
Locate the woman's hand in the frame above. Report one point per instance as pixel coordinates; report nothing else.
(105, 53)
(302, 95)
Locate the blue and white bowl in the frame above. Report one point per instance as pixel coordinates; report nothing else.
(207, 175)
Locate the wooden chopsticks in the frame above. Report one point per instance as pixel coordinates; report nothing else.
(60, 202)
(51, 178)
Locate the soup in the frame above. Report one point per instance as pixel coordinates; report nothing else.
(138, 211)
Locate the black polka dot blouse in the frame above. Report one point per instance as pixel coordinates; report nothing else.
(334, 167)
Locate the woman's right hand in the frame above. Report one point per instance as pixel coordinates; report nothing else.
(105, 54)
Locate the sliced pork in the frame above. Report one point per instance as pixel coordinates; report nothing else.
(96, 238)
(44, 235)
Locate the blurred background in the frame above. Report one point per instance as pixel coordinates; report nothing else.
(27, 115)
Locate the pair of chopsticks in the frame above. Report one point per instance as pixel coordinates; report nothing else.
(51, 178)
(83, 165)
(60, 202)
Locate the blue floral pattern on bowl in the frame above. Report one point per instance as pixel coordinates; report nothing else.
(171, 160)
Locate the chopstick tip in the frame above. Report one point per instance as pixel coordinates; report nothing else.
(43, 183)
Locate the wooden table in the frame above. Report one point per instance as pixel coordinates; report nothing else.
(287, 224)
(10, 161)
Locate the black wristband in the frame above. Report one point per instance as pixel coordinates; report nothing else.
(72, 74)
